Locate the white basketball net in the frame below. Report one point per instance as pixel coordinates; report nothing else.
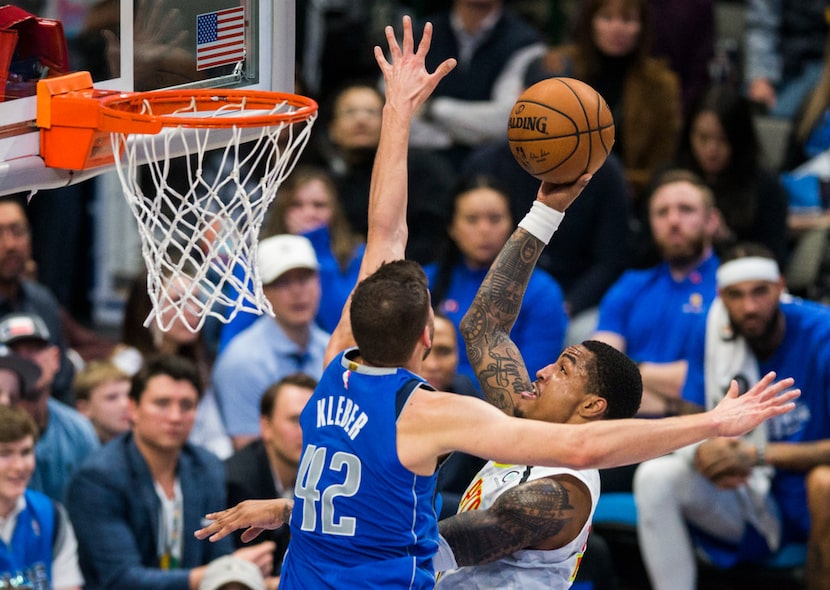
(199, 243)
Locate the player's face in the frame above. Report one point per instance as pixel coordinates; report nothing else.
(163, 417)
(559, 389)
(710, 146)
(440, 365)
(17, 463)
(310, 207)
(356, 121)
(281, 432)
(481, 225)
(15, 242)
(616, 29)
(295, 297)
(108, 408)
(681, 223)
(752, 307)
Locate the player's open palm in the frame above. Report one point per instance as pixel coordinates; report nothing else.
(738, 415)
(408, 84)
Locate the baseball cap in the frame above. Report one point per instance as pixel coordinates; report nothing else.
(18, 326)
(227, 569)
(27, 371)
(279, 254)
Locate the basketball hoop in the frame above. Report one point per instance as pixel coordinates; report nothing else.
(199, 242)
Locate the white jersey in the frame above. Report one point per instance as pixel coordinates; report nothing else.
(526, 569)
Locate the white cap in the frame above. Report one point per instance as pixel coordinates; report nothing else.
(226, 569)
(279, 254)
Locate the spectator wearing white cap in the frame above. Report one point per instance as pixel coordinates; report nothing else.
(67, 437)
(272, 347)
(232, 573)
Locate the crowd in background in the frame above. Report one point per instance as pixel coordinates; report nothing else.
(634, 262)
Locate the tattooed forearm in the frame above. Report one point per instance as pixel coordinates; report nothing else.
(486, 326)
(530, 514)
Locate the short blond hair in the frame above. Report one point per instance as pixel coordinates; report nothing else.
(93, 374)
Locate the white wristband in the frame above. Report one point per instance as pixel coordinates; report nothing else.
(541, 221)
(444, 558)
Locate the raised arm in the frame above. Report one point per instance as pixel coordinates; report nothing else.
(408, 85)
(486, 326)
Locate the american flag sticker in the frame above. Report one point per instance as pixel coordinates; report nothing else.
(220, 38)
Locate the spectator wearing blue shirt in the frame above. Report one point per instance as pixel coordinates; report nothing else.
(272, 347)
(724, 487)
(66, 436)
(479, 227)
(648, 314)
(308, 206)
(38, 548)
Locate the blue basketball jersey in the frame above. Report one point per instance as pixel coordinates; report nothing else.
(360, 519)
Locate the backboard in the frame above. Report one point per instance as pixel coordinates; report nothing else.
(150, 45)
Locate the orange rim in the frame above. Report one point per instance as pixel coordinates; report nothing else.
(169, 108)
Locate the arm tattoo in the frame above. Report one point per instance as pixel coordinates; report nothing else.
(521, 518)
(486, 326)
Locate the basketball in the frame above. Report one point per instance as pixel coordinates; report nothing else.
(559, 129)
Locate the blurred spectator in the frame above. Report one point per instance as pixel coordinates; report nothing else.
(231, 573)
(267, 467)
(18, 377)
(347, 152)
(66, 436)
(307, 205)
(784, 45)
(610, 50)
(479, 227)
(649, 313)
(18, 292)
(136, 502)
(746, 497)
(720, 144)
(272, 347)
(811, 124)
(588, 251)
(493, 46)
(101, 394)
(139, 341)
(684, 35)
(39, 548)
(335, 39)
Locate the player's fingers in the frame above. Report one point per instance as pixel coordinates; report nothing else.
(250, 534)
(426, 39)
(445, 68)
(408, 40)
(380, 58)
(392, 41)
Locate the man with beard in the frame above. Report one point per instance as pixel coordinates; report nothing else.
(649, 313)
(726, 488)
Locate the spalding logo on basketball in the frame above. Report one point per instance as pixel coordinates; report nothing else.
(559, 129)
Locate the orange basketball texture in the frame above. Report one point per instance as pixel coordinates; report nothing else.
(559, 129)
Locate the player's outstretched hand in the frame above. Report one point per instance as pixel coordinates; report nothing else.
(408, 84)
(737, 415)
(254, 516)
(560, 196)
